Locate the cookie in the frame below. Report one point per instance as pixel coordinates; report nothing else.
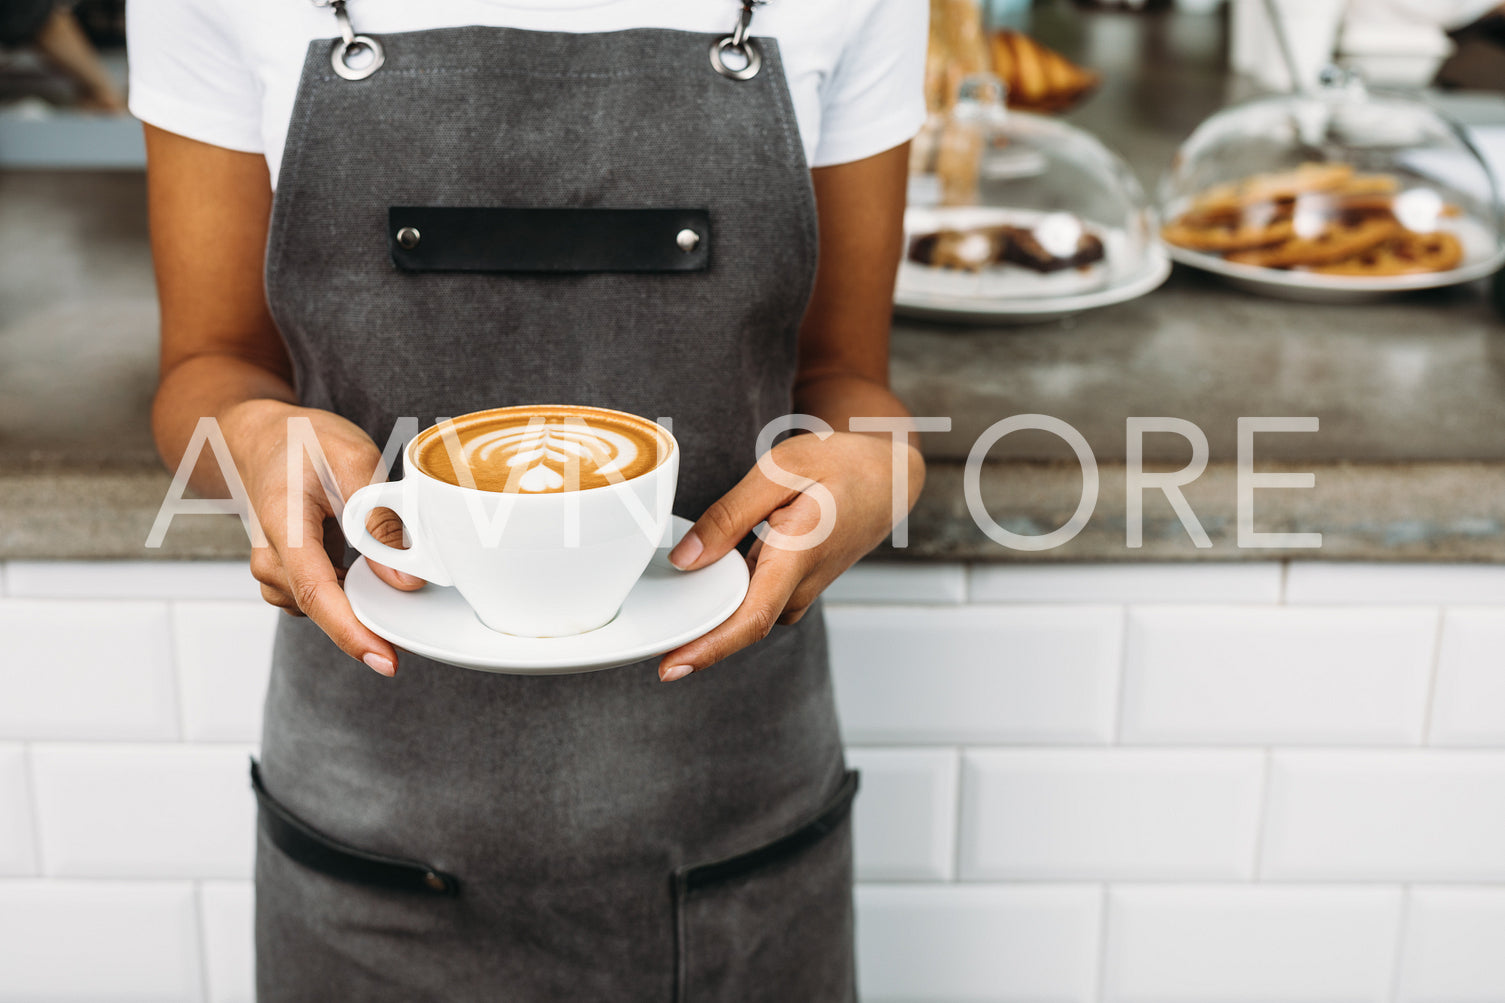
(1223, 239)
(1406, 253)
(1274, 187)
(1338, 240)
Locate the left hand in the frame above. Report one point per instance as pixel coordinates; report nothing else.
(857, 470)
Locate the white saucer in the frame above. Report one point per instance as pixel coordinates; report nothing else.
(665, 609)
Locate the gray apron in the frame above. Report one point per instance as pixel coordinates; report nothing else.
(457, 835)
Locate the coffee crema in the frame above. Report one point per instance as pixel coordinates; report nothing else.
(541, 449)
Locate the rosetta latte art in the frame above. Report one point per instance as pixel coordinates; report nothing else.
(541, 449)
(544, 456)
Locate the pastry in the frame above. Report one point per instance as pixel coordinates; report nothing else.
(974, 249)
(1037, 78)
(1318, 217)
(1022, 247)
(1336, 241)
(1407, 253)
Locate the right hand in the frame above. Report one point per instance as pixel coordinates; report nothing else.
(302, 579)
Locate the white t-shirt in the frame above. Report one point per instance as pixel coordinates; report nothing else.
(226, 71)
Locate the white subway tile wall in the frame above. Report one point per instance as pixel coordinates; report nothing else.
(88, 669)
(1277, 675)
(1127, 583)
(1251, 944)
(225, 909)
(1120, 814)
(144, 811)
(18, 848)
(224, 653)
(1386, 815)
(955, 943)
(1406, 584)
(1022, 673)
(1252, 783)
(1453, 941)
(905, 820)
(876, 581)
(131, 580)
(1468, 707)
(99, 942)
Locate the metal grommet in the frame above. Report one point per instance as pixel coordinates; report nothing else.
(343, 48)
(749, 50)
(408, 237)
(435, 882)
(687, 240)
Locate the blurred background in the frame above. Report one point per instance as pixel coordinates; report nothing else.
(1122, 769)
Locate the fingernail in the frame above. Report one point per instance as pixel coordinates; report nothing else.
(380, 663)
(674, 672)
(685, 553)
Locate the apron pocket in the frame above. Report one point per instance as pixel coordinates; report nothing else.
(316, 851)
(774, 923)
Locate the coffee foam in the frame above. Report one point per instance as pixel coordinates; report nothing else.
(541, 450)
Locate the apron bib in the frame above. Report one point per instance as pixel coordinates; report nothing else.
(457, 835)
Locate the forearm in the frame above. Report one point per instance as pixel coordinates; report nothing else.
(228, 388)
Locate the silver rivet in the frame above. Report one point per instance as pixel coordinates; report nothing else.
(408, 237)
(687, 239)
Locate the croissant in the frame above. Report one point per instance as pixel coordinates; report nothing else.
(1037, 78)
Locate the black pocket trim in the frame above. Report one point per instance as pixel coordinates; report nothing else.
(319, 852)
(563, 239)
(687, 879)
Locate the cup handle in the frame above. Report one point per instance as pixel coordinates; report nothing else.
(417, 559)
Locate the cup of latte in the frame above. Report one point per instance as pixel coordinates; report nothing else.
(542, 517)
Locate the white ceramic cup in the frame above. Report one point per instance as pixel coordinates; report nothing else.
(533, 565)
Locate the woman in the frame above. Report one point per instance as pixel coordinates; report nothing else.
(437, 833)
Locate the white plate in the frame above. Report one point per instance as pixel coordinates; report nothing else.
(1009, 294)
(1481, 257)
(666, 609)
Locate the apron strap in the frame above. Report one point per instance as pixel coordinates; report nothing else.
(356, 57)
(366, 52)
(748, 60)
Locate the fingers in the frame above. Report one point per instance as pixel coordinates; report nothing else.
(774, 580)
(303, 582)
(384, 524)
(728, 520)
(316, 590)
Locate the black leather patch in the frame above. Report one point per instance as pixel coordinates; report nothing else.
(491, 239)
(319, 852)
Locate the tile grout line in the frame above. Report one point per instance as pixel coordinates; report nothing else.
(1283, 597)
(1434, 674)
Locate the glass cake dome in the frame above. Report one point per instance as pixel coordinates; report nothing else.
(1332, 195)
(1017, 214)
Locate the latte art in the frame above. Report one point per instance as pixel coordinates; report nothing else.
(542, 455)
(540, 450)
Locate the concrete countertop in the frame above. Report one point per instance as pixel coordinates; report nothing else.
(1409, 460)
